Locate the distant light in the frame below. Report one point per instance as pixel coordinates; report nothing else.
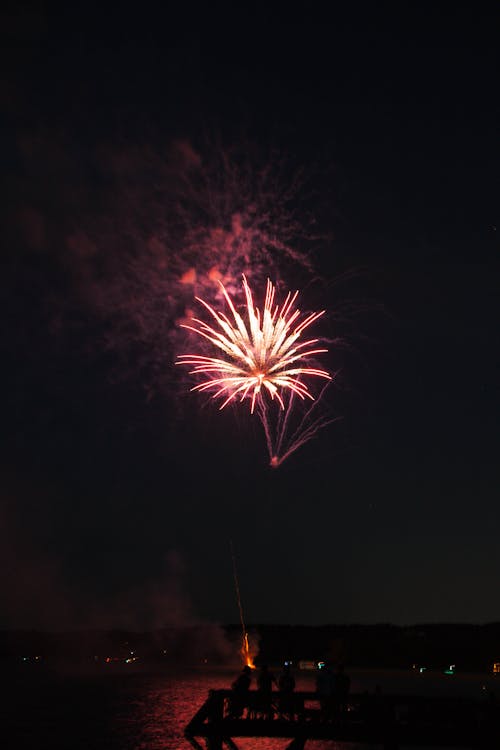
(321, 664)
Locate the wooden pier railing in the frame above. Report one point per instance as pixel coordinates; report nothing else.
(391, 721)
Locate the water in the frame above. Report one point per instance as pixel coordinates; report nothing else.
(135, 710)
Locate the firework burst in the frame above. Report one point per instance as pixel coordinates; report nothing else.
(265, 353)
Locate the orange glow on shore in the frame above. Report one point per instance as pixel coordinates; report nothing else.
(245, 652)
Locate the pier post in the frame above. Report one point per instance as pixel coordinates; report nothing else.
(215, 710)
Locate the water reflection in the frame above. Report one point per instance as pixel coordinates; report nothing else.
(166, 708)
(134, 711)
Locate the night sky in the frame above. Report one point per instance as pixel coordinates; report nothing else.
(121, 490)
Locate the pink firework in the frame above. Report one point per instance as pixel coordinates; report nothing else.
(265, 352)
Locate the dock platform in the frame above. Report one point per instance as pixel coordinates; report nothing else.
(388, 721)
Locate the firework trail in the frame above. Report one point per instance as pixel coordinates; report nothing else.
(266, 352)
(287, 431)
(245, 648)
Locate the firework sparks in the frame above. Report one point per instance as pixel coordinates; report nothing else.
(265, 352)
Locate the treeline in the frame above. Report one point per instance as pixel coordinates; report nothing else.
(192, 645)
(469, 647)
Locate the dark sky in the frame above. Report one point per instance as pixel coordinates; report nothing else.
(120, 492)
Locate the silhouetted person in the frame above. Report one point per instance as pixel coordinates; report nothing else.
(239, 695)
(325, 691)
(286, 686)
(341, 687)
(265, 682)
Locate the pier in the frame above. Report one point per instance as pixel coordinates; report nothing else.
(388, 721)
